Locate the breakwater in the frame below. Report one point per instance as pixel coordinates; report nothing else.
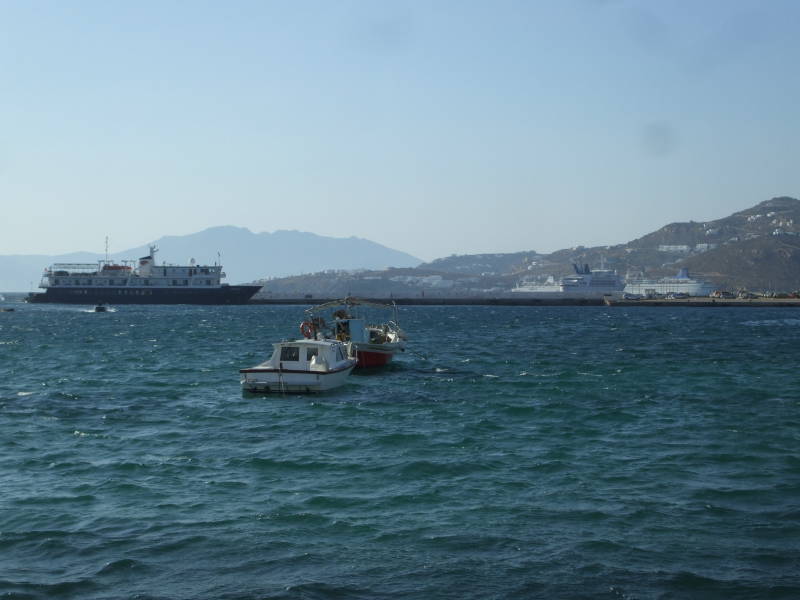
(710, 302)
(507, 301)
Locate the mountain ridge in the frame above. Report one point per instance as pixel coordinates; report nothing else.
(245, 255)
(756, 248)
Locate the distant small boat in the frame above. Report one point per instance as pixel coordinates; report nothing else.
(101, 308)
(301, 366)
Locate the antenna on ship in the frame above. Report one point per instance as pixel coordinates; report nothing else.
(106, 248)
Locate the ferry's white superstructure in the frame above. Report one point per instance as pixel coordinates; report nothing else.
(145, 282)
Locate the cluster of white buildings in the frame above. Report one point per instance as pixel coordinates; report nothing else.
(685, 248)
(427, 281)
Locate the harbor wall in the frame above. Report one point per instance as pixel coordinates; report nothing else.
(504, 301)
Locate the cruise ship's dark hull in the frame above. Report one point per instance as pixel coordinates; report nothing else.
(227, 294)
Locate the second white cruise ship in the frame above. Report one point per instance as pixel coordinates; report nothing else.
(585, 283)
(682, 283)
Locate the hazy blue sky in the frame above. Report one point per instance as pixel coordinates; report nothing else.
(433, 127)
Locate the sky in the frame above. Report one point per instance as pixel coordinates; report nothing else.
(430, 126)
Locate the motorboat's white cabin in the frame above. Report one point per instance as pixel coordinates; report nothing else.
(302, 366)
(308, 355)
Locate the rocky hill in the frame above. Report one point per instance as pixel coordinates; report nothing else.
(764, 263)
(776, 216)
(756, 249)
(751, 249)
(481, 264)
(386, 283)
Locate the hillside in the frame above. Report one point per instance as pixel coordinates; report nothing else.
(752, 249)
(249, 256)
(387, 283)
(757, 249)
(764, 219)
(771, 263)
(480, 264)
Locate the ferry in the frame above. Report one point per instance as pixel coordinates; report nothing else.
(585, 283)
(145, 282)
(682, 283)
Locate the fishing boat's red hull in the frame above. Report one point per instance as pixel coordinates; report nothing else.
(368, 359)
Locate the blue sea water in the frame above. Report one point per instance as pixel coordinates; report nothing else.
(512, 452)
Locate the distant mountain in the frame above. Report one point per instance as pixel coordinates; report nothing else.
(246, 256)
(764, 219)
(765, 263)
(756, 249)
(480, 264)
(249, 256)
(753, 249)
(22, 273)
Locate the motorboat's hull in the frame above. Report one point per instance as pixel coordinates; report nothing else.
(375, 355)
(259, 379)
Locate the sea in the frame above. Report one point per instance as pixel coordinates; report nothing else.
(510, 452)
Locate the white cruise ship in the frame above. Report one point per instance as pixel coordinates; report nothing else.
(682, 283)
(585, 283)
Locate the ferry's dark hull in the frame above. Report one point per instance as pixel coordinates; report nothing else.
(227, 294)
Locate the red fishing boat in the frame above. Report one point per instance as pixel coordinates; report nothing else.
(375, 343)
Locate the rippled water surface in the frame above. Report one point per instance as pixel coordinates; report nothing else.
(512, 452)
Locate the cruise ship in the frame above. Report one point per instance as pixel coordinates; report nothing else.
(682, 283)
(145, 282)
(585, 283)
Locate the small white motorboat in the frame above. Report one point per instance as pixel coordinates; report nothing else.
(301, 366)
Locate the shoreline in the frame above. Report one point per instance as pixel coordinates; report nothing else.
(12, 298)
(710, 302)
(494, 301)
(502, 301)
